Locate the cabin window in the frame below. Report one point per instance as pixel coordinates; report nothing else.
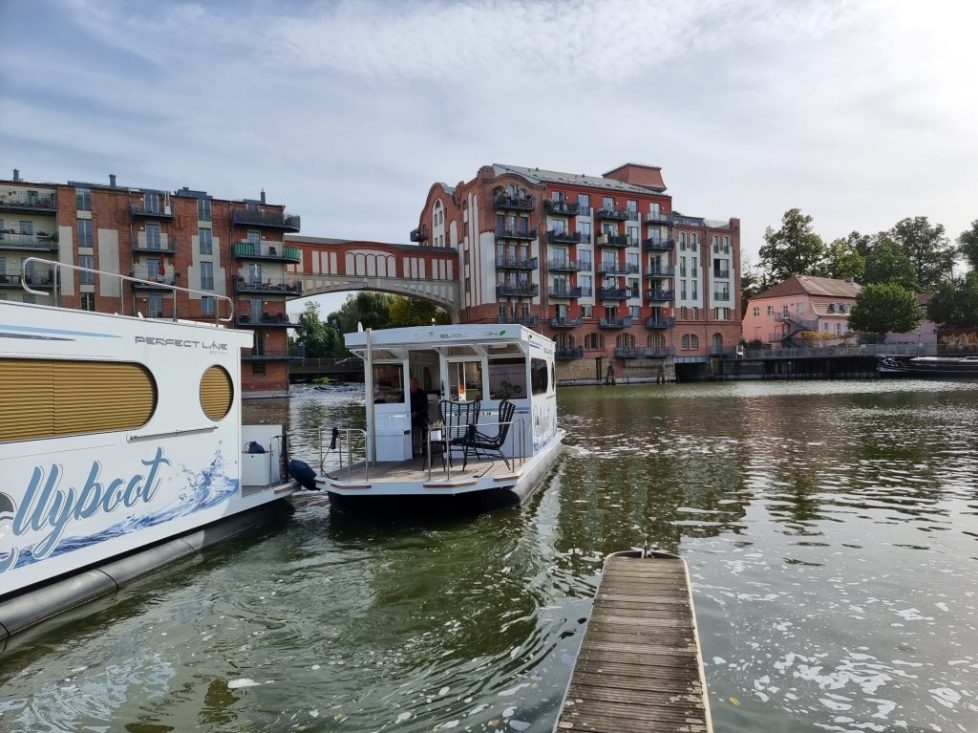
(465, 381)
(388, 383)
(42, 398)
(507, 379)
(538, 375)
(216, 393)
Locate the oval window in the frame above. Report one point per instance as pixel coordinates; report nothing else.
(216, 393)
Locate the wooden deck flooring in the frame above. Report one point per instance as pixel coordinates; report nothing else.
(639, 666)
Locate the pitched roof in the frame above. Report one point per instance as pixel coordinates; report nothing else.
(573, 179)
(809, 285)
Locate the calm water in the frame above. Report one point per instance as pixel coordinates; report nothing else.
(830, 529)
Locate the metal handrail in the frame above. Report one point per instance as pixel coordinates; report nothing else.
(172, 288)
(345, 440)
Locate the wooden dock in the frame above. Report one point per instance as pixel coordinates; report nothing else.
(639, 666)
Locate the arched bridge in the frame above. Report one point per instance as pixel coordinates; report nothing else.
(335, 265)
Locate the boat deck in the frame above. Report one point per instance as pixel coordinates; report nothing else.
(639, 666)
(416, 471)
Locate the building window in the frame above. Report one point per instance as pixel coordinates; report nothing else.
(633, 311)
(770, 310)
(155, 306)
(203, 209)
(685, 341)
(206, 275)
(207, 305)
(84, 232)
(152, 235)
(152, 202)
(254, 237)
(205, 239)
(632, 209)
(694, 341)
(693, 292)
(86, 278)
(757, 310)
(682, 241)
(633, 235)
(584, 203)
(83, 199)
(586, 310)
(257, 367)
(682, 289)
(27, 227)
(609, 203)
(682, 266)
(88, 301)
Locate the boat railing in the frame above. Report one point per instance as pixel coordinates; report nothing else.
(342, 442)
(442, 435)
(57, 267)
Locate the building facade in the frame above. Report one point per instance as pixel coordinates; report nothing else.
(186, 238)
(800, 311)
(604, 265)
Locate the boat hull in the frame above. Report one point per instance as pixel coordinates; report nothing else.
(933, 367)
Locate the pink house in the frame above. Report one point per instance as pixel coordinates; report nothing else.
(819, 305)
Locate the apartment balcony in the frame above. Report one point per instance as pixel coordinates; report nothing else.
(721, 274)
(616, 214)
(267, 219)
(280, 320)
(611, 268)
(655, 324)
(153, 282)
(614, 293)
(658, 352)
(614, 323)
(28, 202)
(660, 219)
(561, 208)
(662, 273)
(514, 203)
(565, 266)
(615, 240)
(267, 287)
(564, 354)
(266, 251)
(520, 319)
(555, 237)
(9, 281)
(165, 245)
(564, 292)
(721, 296)
(153, 211)
(587, 292)
(518, 290)
(509, 263)
(660, 296)
(39, 242)
(267, 355)
(419, 235)
(523, 234)
(565, 322)
(660, 245)
(629, 352)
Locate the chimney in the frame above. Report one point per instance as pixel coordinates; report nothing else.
(16, 174)
(112, 180)
(263, 195)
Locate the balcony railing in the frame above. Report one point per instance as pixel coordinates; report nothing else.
(614, 323)
(521, 319)
(510, 263)
(152, 211)
(659, 352)
(615, 240)
(280, 320)
(565, 322)
(573, 352)
(274, 251)
(721, 274)
(561, 208)
(555, 237)
(614, 293)
(564, 292)
(660, 219)
(722, 296)
(267, 355)
(26, 201)
(628, 352)
(586, 292)
(165, 245)
(527, 290)
(660, 245)
(244, 286)
(9, 281)
(419, 235)
(616, 214)
(519, 203)
(35, 242)
(654, 323)
(516, 234)
(565, 266)
(656, 295)
(269, 219)
(662, 273)
(155, 281)
(611, 268)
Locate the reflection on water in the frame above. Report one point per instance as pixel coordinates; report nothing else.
(829, 527)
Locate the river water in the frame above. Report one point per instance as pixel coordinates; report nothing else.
(830, 529)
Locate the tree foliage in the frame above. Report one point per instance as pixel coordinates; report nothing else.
(843, 259)
(885, 264)
(968, 245)
(926, 247)
(955, 302)
(794, 248)
(364, 308)
(315, 338)
(882, 308)
(404, 311)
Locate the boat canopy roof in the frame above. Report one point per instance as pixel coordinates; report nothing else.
(497, 338)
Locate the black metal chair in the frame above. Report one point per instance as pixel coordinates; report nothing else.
(458, 419)
(477, 443)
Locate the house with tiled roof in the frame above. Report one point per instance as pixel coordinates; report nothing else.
(799, 307)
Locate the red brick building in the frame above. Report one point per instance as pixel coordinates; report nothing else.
(604, 265)
(186, 238)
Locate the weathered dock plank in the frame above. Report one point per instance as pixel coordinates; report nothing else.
(639, 668)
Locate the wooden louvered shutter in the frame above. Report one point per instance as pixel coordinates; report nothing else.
(216, 393)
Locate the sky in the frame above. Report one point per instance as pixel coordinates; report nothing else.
(858, 113)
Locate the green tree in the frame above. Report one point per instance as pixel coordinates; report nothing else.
(926, 247)
(843, 259)
(792, 249)
(315, 338)
(404, 311)
(886, 264)
(882, 308)
(752, 282)
(968, 245)
(955, 302)
(366, 308)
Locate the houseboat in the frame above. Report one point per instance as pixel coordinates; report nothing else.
(935, 367)
(479, 425)
(121, 448)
